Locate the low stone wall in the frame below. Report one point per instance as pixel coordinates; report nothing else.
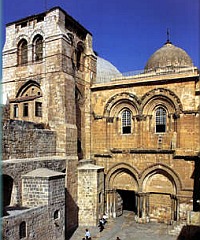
(21, 139)
(39, 224)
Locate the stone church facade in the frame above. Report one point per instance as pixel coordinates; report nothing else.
(123, 142)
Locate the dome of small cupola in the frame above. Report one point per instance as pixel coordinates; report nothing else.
(167, 58)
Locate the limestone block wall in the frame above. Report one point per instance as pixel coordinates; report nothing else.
(43, 186)
(22, 139)
(40, 223)
(90, 194)
(108, 100)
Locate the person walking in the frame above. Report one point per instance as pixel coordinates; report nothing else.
(101, 227)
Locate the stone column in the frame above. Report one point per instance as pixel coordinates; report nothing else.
(147, 207)
(140, 205)
(172, 208)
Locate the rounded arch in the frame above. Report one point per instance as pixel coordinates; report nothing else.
(121, 100)
(161, 96)
(22, 37)
(119, 169)
(163, 170)
(26, 86)
(37, 32)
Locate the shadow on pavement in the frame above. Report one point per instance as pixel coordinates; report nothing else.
(189, 232)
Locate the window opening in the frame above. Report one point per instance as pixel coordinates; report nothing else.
(16, 111)
(40, 18)
(23, 24)
(160, 120)
(22, 52)
(79, 52)
(126, 122)
(38, 109)
(22, 230)
(56, 214)
(25, 110)
(38, 48)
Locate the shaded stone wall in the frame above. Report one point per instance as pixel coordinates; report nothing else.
(22, 139)
(40, 224)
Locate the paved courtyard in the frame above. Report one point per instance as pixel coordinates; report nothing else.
(125, 228)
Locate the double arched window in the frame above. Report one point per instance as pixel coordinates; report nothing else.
(22, 49)
(37, 50)
(160, 120)
(126, 121)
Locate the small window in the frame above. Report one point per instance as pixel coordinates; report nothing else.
(22, 230)
(56, 214)
(25, 110)
(38, 109)
(22, 52)
(126, 122)
(160, 120)
(16, 111)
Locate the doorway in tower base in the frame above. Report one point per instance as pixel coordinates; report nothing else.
(128, 200)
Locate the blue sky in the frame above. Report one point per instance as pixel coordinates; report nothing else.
(125, 32)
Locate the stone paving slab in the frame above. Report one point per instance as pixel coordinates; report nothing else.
(126, 228)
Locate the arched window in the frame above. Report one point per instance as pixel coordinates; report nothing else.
(38, 48)
(126, 121)
(160, 120)
(22, 52)
(22, 230)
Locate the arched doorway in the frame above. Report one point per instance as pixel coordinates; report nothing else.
(160, 196)
(7, 190)
(9, 193)
(121, 192)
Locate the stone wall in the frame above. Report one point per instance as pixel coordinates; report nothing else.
(39, 222)
(22, 139)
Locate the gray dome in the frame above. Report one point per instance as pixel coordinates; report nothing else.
(168, 57)
(105, 71)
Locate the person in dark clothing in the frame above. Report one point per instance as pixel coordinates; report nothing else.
(101, 225)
